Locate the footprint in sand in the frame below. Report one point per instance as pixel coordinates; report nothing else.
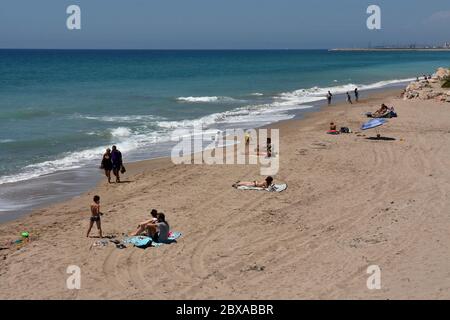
(319, 145)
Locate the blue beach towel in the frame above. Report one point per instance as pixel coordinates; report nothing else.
(144, 241)
(173, 236)
(139, 241)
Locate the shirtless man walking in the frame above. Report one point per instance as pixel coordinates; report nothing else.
(95, 217)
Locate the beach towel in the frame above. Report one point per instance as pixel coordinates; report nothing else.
(173, 236)
(272, 188)
(139, 241)
(144, 241)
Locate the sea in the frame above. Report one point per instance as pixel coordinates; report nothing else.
(60, 109)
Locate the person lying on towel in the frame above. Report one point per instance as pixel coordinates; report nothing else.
(262, 184)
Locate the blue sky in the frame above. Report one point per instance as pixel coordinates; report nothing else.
(220, 24)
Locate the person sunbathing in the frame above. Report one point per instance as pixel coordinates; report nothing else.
(380, 112)
(262, 184)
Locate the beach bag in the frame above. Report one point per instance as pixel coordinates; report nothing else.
(122, 169)
(392, 114)
(345, 130)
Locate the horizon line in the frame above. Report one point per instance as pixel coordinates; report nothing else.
(173, 49)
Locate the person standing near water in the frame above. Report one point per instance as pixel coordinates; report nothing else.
(116, 157)
(349, 99)
(329, 96)
(356, 95)
(107, 164)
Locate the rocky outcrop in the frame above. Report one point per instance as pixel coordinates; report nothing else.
(441, 74)
(429, 89)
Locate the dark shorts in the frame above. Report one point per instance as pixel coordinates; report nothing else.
(155, 237)
(95, 218)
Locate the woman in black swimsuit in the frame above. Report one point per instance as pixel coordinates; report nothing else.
(263, 184)
(107, 164)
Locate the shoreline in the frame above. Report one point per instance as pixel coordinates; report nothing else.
(90, 182)
(87, 178)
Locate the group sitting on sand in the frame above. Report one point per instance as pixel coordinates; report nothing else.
(157, 227)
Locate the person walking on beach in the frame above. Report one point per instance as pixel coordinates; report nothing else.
(356, 95)
(95, 216)
(116, 158)
(107, 164)
(329, 96)
(349, 98)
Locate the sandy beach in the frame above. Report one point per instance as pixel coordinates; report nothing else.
(352, 202)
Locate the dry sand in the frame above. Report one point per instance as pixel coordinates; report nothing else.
(351, 202)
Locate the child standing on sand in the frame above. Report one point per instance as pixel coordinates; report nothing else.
(95, 216)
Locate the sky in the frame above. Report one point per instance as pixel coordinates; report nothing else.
(221, 24)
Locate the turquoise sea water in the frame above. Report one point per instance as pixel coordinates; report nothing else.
(60, 109)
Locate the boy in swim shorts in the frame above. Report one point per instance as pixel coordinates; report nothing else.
(95, 216)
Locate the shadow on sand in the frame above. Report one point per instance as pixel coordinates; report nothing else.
(381, 138)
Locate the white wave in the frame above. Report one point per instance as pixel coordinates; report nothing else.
(79, 159)
(250, 115)
(125, 119)
(257, 94)
(121, 132)
(6, 140)
(206, 99)
(319, 93)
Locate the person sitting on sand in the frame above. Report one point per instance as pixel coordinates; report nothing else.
(333, 129)
(332, 126)
(144, 225)
(380, 112)
(95, 216)
(158, 230)
(262, 184)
